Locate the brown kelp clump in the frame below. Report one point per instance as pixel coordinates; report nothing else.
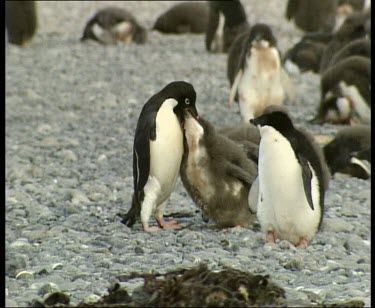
(195, 287)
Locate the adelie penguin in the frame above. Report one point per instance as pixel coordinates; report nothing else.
(226, 19)
(217, 174)
(312, 15)
(293, 179)
(185, 17)
(255, 73)
(346, 92)
(350, 152)
(111, 25)
(20, 21)
(157, 153)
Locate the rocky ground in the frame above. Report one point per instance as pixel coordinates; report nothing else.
(71, 112)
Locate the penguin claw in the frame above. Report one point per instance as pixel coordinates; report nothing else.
(270, 237)
(302, 243)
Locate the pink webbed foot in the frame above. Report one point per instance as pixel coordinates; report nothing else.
(302, 243)
(150, 229)
(168, 225)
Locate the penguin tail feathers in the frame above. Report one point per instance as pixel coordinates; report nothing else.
(133, 214)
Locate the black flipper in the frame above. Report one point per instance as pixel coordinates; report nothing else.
(212, 24)
(133, 214)
(306, 178)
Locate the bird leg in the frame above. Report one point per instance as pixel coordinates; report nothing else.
(270, 237)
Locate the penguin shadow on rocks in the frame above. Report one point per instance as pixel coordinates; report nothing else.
(292, 177)
(157, 154)
(226, 20)
(185, 17)
(111, 25)
(218, 173)
(256, 76)
(345, 90)
(350, 152)
(21, 22)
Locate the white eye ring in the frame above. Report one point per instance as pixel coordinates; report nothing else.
(187, 101)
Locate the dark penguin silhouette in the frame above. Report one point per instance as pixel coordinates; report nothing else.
(21, 21)
(217, 174)
(255, 73)
(349, 151)
(346, 92)
(226, 20)
(183, 17)
(312, 15)
(354, 27)
(359, 47)
(111, 25)
(157, 153)
(292, 180)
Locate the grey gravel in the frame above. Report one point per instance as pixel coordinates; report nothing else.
(71, 112)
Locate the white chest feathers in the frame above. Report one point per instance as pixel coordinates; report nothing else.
(261, 83)
(282, 204)
(166, 151)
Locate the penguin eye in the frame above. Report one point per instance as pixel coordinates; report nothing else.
(187, 101)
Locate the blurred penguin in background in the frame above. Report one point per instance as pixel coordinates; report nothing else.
(255, 74)
(355, 26)
(226, 20)
(20, 21)
(185, 17)
(350, 152)
(346, 92)
(312, 15)
(111, 25)
(347, 7)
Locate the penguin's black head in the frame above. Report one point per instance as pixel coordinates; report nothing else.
(184, 93)
(277, 119)
(261, 36)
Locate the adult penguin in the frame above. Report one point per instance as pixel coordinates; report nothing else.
(157, 153)
(292, 180)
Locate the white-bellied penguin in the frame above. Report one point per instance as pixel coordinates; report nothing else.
(157, 153)
(255, 73)
(217, 174)
(292, 180)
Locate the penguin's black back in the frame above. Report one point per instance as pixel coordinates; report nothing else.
(183, 17)
(359, 47)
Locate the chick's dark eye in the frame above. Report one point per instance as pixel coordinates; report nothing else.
(187, 101)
